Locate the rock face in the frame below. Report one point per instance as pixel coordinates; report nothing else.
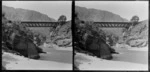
(138, 36)
(64, 35)
(24, 15)
(98, 15)
(18, 39)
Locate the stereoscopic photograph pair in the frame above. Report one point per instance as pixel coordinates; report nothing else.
(75, 35)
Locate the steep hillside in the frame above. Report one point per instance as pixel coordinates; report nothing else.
(24, 15)
(64, 35)
(101, 16)
(98, 15)
(138, 36)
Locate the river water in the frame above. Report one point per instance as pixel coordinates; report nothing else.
(131, 56)
(63, 56)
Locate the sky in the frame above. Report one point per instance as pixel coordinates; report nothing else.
(53, 9)
(125, 9)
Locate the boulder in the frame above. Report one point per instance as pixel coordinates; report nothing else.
(98, 47)
(64, 42)
(17, 39)
(137, 43)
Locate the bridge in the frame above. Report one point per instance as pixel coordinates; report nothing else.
(40, 24)
(100, 24)
(114, 24)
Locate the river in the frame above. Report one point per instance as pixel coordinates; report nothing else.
(53, 54)
(131, 56)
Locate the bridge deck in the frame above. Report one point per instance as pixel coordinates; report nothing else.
(40, 24)
(100, 24)
(113, 24)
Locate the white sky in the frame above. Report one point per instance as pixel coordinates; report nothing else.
(51, 8)
(125, 9)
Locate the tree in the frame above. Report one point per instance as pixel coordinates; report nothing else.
(62, 18)
(134, 19)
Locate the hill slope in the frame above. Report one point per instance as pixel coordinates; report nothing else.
(138, 36)
(98, 15)
(64, 35)
(24, 15)
(101, 16)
